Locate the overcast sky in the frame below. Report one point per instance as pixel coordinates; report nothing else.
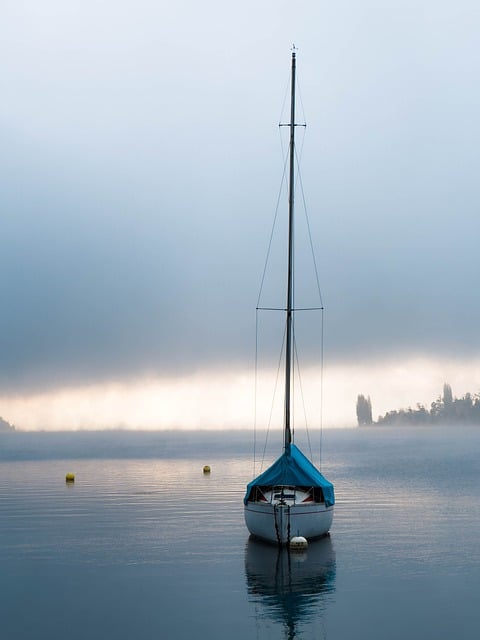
(140, 165)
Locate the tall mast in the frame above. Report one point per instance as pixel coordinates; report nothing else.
(289, 332)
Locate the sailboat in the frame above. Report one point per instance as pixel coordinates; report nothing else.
(291, 499)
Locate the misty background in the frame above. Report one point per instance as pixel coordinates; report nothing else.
(140, 165)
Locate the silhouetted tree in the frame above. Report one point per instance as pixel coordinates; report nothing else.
(447, 395)
(364, 410)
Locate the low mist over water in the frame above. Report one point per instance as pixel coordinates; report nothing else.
(143, 535)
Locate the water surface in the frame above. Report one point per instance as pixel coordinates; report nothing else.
(145, 545)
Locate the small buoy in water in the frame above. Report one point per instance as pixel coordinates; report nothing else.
(206, 469)
(298, 543)
(70, 477)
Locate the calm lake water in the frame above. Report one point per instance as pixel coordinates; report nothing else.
(144, 545)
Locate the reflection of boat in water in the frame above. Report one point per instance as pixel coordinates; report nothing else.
(291, 588)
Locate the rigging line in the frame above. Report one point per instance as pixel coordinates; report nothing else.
(302, 397)
(282, 148)
(255, 396)
(299, 96)
(282, 183)
(280, 121)
(285, 150)
(321, 386)
(285, 96)
(321, 308)
(299, 176)
(273, 398)
(302, 145)
(272, 231)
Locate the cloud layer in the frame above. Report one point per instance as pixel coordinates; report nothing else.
(140, 167)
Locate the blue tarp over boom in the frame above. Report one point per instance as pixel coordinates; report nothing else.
(293, 469)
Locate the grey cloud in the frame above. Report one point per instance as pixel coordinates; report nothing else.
(138, 185)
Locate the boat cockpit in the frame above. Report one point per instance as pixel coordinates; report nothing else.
(286, 495)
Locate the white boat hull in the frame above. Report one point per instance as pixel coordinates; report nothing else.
(279, 523)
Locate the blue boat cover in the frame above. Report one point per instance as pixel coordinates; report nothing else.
(294, 469)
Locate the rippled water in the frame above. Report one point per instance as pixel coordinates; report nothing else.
(145, 545)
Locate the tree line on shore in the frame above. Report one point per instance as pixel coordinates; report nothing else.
(444, 410)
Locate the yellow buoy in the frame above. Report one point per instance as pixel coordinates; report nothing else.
(206, 469)
(70, 477)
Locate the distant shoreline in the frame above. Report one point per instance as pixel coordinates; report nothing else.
(445, 410)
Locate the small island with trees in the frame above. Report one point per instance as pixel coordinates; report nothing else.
(444, 410)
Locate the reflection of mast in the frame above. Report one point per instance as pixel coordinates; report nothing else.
(291, 588)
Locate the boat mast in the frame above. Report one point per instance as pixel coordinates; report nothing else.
(289, 332)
